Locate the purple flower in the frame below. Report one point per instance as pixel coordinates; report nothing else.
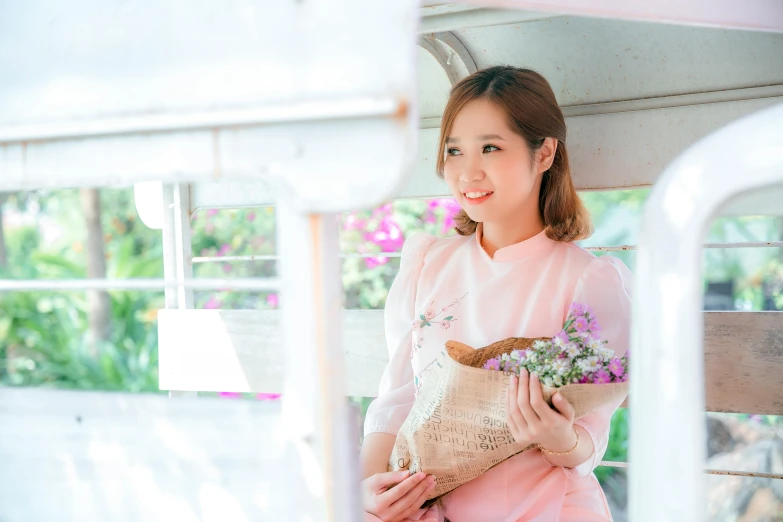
(227, 268)
(224, 249)
(268, 396)
(586, 379)
(251, 216)
(577, 310)
(230, 395)
(602, 377)
(563, 336)
(581, 324)
(594, 327)
(492, 364)
(616, 367)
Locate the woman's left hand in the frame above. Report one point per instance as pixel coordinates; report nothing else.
(531, 420)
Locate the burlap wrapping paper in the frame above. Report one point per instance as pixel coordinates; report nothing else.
(457, 427)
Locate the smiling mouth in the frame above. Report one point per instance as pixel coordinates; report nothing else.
(473, 197)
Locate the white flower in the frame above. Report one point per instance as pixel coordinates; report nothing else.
(605, 353)
(561, 366)
(532, 356)
(557, 342)
(590, 364)
(548, 381)
(595, 345)
(573, 350)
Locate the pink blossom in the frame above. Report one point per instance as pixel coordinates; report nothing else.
(445, 325)
(616, 367)
(602, 377)
(577, 309)
(374, 262)
(225, 249)
(230, 395)
(212, 212)
(251, 216)
(272, 300)
(268, 396)
(213, 303)
(227, 268)
(492, 364)
(563, 336)
(594, 328)
(429, 314)
(581, 324)
(387, 235)
(352, 222)
(586, 379)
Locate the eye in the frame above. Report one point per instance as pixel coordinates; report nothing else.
(490, 148)
(453, 152)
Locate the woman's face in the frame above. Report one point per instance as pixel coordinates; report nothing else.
(489, 168)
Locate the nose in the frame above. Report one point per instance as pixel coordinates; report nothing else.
(471, 171)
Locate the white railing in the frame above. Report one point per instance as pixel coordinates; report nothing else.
(668, 441)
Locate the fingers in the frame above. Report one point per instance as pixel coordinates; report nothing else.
(523, 400)
(564, 407)
(400, 490)
(516, 421)
(539, 405)
(381, 481)
(417, 502)
(412, 500)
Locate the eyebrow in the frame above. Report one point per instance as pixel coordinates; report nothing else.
(483, 137)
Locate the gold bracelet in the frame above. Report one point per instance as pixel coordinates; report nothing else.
(561, 453)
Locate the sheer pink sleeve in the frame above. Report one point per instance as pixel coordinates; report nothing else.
(395, 395)
(605, 286)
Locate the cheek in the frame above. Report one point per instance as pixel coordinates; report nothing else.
(513, 175)
(451, 176)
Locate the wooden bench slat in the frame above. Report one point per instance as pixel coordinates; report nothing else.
(241, 350)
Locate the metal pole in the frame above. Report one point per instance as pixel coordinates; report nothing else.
(668, 436)
(315, 414)
(177, 253)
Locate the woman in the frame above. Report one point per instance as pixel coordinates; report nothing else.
(513, 271)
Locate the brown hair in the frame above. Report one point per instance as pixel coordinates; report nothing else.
(534, 114)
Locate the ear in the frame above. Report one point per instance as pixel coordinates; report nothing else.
(546, 154)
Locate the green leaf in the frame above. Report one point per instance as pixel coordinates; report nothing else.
(449, 318)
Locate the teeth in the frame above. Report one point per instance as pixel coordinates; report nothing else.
(475, 195)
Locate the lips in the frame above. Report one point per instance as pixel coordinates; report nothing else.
(475, 197)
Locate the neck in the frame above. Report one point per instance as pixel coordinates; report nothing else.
(497, 235)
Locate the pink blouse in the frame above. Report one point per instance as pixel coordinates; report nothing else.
(524, 291)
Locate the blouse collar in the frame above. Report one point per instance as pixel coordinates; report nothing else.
(516, 251)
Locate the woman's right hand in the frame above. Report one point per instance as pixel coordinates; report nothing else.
(395, 496)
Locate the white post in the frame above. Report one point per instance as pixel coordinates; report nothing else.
(668, 436)
(322, 446)
(177, 252)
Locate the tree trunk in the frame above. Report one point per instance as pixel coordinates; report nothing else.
(98, 302)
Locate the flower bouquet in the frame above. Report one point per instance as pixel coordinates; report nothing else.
(457, 428)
